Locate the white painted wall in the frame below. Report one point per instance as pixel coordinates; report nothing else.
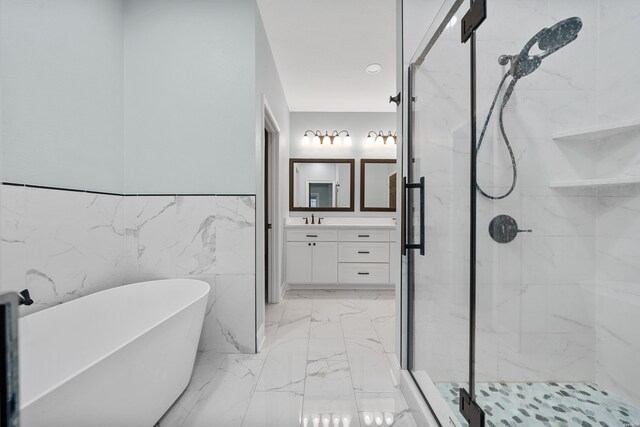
(189, 96)
(62, 93)
(269, 94)
(358, 125)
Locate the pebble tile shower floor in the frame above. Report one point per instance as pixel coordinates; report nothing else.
(547, 404)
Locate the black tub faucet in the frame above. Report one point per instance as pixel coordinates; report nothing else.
(25, 298)
(313, 219)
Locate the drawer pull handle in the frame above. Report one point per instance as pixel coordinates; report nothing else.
(363, 235)
(363, 252)
(312, 235)
(363, 274)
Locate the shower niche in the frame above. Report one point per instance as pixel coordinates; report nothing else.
(610, 154)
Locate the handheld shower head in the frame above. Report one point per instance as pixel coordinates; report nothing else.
(559, 35)
(549, 40)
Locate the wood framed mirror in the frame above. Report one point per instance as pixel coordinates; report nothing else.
(378, 178)
(321, 185)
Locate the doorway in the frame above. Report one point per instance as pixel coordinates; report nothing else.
(268, 275)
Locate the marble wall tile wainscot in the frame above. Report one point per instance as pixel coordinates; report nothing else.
(211, 238)
(60, 245)
(66, 244)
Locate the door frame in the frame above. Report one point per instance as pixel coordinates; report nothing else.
(472, 411)
(274, 294)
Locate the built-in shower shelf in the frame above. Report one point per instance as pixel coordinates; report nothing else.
(597, 132)
(595, 182)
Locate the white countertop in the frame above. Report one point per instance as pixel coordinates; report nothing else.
(350, 222)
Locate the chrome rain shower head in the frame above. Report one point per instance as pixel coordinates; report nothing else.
(549, 40)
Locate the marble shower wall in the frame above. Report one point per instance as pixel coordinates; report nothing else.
(536, 295)
(63, 245)
(618, 216)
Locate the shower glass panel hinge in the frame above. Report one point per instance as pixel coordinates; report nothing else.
(470, 410)
(473, 18)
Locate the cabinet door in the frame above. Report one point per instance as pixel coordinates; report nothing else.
(298, 262)
(324, 267)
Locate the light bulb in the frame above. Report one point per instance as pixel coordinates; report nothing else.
(347, 140)
(305, 140)
(336, 421)
(326, 140)
(346, 421)
(326, 420)
(337, 140)
(379, 140)
(391, 140)
(368, 419)
(388, 417)
(316, 140)
(369, 140)
(378, 418)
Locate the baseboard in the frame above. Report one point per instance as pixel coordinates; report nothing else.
(260, 338)
(342, 286)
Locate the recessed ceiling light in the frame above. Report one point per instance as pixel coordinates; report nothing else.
(373, 68)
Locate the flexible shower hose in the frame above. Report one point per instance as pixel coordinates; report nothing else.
(505, 99)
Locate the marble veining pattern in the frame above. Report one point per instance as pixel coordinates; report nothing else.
(62, 245)
(312, 371)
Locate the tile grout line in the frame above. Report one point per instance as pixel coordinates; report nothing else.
(353, 390)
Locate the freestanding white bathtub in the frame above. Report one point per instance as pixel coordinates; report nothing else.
(119, 357)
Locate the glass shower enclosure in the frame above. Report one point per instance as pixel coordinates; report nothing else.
(523, 215)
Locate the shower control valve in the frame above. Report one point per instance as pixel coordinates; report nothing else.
(503, 229)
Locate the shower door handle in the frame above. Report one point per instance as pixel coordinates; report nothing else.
(421, 244)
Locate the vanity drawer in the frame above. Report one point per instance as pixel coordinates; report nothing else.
(363, 273)
(364, 235)
(363, 252)
(312, 235)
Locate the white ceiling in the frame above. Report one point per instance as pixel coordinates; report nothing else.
(322, 47)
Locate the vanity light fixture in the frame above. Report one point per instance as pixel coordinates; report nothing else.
(380, 138)
(326, 139)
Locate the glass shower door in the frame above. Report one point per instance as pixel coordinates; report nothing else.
(438, 153)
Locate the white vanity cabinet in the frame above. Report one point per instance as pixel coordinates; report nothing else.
(312, 256)
(341, 257)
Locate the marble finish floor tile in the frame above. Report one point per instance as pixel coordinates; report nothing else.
(546, 404)
(274, 409)
(370, 367)
(385, 409)
(325, 361)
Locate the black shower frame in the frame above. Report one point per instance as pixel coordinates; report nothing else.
(409, 218)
